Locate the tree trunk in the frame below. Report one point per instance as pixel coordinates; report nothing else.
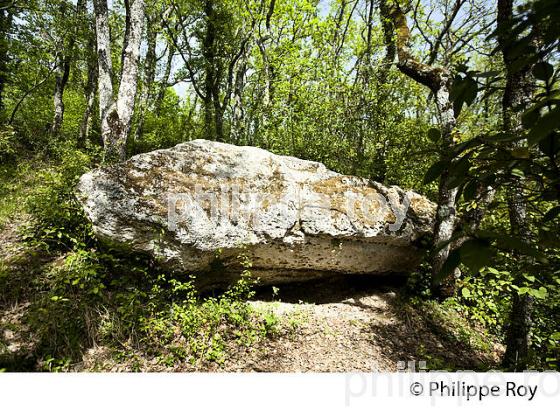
(446, 211)
(238, 111)
(517, 93)
(116, 114)
(61, 79)
(89, 91)
(218, 107)
(105, 74)
(518, 340)
(219, 120)
(165, 79)
(149, 77)
(129, 77)
(62, 72)
(5, 27)
(438, 80)
(208, 53)
(269, 72)
(268, 75)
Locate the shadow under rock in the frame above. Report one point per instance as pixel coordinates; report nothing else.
(331, 290)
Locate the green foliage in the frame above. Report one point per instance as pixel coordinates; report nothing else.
(464, 91)
(90, 298)
(168, 126)
(64, 313)
(307, 79)
(194, 329)
(8, 144)
(63, 225)
(485, 297)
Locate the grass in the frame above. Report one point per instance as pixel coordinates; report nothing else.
(16, 183)
(79, 301)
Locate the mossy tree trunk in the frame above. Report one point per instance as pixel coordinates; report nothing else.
(439, 81)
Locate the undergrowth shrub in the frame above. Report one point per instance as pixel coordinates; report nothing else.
(58, 219)
(63, 316)
(178, 324)
(484, 298)
(92, 298)
(9, 146)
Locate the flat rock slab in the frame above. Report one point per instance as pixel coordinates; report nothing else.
(215, 209)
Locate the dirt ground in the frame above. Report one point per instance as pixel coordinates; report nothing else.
(356, 325)
(344, 325)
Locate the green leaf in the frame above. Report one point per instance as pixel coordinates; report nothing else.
(544, 126)
(435, 171)
(471, 188)
(453, 260)
(543, 71)
(471, 90)
(517, 172)
(530, 278)
(462, 167)
(476, 254)
(552, 214)
(466, 293)
(463, 90)
(540, 293)
(434, 134)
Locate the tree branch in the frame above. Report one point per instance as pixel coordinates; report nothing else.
(425, 74)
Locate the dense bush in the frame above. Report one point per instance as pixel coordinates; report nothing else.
(58, 219)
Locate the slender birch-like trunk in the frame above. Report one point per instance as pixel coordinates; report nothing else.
(238, 111)
(268, 71)
(166, 75)
(129, 77)
(62, 73)
(116, 113)
(104, 72)
(446, 212)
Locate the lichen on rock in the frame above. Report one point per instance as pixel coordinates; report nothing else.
(203, 202)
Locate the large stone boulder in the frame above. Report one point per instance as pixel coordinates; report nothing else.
(209, 208)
